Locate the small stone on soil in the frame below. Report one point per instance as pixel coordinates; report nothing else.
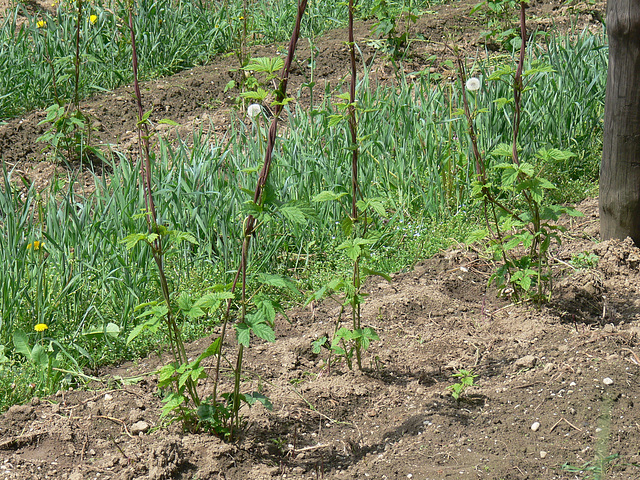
(543, 454)
(528, 361)
(607, 381)
(139, 427)
(535, 426)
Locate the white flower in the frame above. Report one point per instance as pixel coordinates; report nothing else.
(254, 110)
(473, 84)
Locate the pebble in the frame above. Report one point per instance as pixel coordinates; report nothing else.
(535, 426)
(528, 361)
(607, 381)
(543, 454)
(139, 427)
(108, 397)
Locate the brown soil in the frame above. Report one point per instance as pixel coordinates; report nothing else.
(557, 385)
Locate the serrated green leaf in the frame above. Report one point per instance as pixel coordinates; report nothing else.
(132, 240)
(265, 64)
(477, 235)
(252, 398)
(278, 281)
(259, 95)
(502, 150)
(179, 236)
(293, 214)
(110, 329)
(264, 331)
(212, 349)
(171, 402)
(317, 345)
(243, 334)
(165, 375)
(368, 271)
(335, 120)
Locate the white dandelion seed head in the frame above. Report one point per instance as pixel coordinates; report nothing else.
(254, 110)
(473, 84)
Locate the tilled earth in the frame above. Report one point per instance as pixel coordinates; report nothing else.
(557, 387)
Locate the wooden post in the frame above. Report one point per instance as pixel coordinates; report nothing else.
(620, 167)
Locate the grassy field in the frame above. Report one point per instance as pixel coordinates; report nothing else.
(66, 267)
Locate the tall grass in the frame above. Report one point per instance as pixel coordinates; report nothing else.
(176, 37)
(413, 153)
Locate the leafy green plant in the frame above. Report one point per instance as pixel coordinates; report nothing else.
(47, 357)
(466, 379)
(183, 374)
(520, 222)
(256, 313)
(69, 135)
(70, 132)
(499, 15)
(584, 260)
(598, 468)
(344, 343)
(389, 14)
(356, 226)
(268, 68)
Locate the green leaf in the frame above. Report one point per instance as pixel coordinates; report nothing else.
(265, 64)
(252, 398)
(132, 240)
(39, 356)
(502, 150)
(243, 333)
(278, 281)
(165, 375)
(335, 119)
(352, 249)
(21, 343)
(527, 169)
(167, 121)
(327, 196)
(293, 214)
(264, 331)
(317, 345)
(502, 102)
(554, 154)
(259, 95)
(477, 235)
(368, 271)
(266, 309)
(368, 334)
(179, 236)
(156, 313)
(171, 402)
(110, 329)
(213, 349)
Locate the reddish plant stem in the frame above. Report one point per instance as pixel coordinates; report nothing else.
(518, 85)
(250, 222)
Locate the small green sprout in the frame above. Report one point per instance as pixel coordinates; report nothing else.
(466, 380)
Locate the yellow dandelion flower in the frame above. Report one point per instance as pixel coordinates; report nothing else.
(40, 327)
(93, 19)
(41, 24)
(240, 18)
(36, 245)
